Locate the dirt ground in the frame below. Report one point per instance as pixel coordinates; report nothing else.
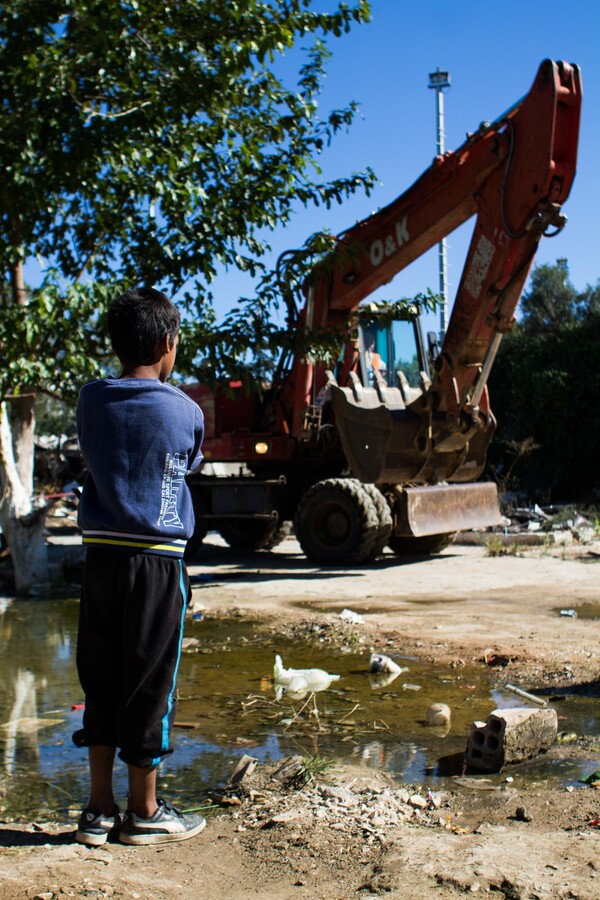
(360, 833)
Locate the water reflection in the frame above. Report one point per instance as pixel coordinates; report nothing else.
(22, 722)
(228, 706)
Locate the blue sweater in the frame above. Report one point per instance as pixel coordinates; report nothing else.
(139, 438)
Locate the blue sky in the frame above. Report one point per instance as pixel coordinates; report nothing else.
(492, 52)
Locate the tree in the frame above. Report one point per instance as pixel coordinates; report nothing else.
(544, 388)
(551, 300)
(142, 142)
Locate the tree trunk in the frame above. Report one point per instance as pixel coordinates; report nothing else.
(22, 426)
(22, 518)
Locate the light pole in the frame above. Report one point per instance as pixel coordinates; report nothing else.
(439, 80)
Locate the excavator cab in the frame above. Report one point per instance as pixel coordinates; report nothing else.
(375, 409)
(393, 351)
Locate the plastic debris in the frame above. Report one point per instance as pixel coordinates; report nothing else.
(383, 670)
(384, 665)
(353, 618)
(297, 683)
(189, 643)
(569, 613)
(411, 687)
(491, 658)
(526, 696)
(592, 779)
(566, 737)
(382, 679)
(438, 714)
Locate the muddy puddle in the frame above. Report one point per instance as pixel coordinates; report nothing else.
(228, 706)
(583, 611)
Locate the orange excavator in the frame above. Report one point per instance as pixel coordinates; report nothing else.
(384, 449)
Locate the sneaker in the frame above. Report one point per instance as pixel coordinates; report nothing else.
(94, 827)
(166, 825)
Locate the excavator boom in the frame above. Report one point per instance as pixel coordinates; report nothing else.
(513, 174)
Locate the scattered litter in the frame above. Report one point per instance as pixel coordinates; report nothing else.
(197, 616)
(78, 706)
(438, 714)
(411, 687)
(188, 643)
(554, 524)
(381, 664)
(186, 725)
(197, 609)
(353, 618)
(491, 658)
(526, 696)
(565, 737)
(569, 613)
(234, 793)
(593, 779)
(382, 679)
(244, 768)
(297, 683)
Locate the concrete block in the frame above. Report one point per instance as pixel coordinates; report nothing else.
(510, 736)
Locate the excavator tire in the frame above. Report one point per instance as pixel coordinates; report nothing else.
(253, 534)
(384, 515)
(428, 545)
(336, 522)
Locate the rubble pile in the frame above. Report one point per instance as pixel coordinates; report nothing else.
(558, 522)
(371, 812)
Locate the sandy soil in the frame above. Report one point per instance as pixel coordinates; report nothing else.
(305, 844)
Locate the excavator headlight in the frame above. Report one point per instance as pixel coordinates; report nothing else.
(261, 448)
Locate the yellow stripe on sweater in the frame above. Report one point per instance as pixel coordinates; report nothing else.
(171, 547)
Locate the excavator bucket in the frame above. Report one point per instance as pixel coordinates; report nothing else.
(385, 443)
(365, 428)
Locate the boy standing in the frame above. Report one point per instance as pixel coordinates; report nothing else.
(139, 437)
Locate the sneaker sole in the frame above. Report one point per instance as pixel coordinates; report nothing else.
(160, 838)
(93, 840)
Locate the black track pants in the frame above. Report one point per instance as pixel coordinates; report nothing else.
(128, 648)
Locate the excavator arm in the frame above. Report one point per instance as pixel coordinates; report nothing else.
(513, 174)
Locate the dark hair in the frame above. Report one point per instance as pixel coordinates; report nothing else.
(137, 320)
